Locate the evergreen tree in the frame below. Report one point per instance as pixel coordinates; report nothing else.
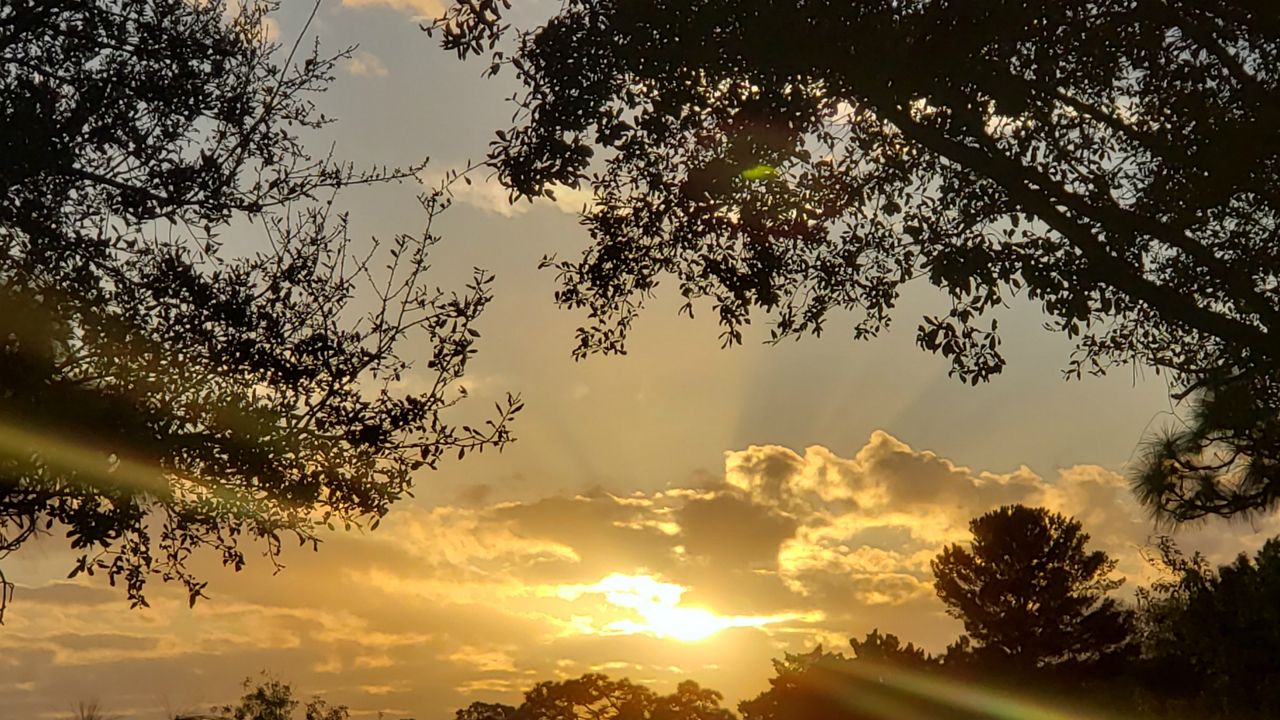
(1030, 593)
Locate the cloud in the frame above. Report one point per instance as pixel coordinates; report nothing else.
(727, 530)
(418, 9)
(787, 548)
(270, 29)
(366, 64)
(485, 193)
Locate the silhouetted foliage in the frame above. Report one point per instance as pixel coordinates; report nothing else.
(597, 697)
(805, 685)
(1210, 637)
(887, 649)
(1030, 593)
(272, 699)
(1213, 462)
(162, 390)
(92, 711)
(884, 681)
(485, 711)
(1115, 161)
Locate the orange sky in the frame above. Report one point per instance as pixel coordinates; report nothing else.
(682, 511)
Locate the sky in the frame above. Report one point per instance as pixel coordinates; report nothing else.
(682, 511)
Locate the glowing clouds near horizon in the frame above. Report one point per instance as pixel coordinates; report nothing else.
(657, 606)
(709, 580)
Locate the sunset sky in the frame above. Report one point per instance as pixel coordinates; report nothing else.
(679, 512)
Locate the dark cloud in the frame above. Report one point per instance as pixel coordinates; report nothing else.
(605, 532)
(103, 641)
(730, 531)
(66, 593)
(475, 495)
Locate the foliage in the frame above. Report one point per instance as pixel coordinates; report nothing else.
(91, 711)
(269, 700)
(885, 680)
(1184, 469)
(887, 649)
(1115, 161)
(272, 699)
(801, 688)
(1210, 636)
(485, 711)
(164, 388)
(597, 697)
(1029, 592)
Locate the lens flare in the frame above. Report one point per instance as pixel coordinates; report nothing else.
(888, 692)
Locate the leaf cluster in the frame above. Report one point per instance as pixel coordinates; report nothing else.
(194, 352)
(598, 697)
(1116, 162)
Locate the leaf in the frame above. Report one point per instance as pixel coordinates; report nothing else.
(759, 173)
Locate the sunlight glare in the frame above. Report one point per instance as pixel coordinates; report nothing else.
(657, 605)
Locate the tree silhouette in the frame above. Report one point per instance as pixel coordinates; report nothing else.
(598, 697)
(485, 711)
(885, 680)
(1211, 463)
(1117, 163)
(887, 649)
(192, 350)
(1209, 636)
(1030, 593)
(273, 699)
(805, 685)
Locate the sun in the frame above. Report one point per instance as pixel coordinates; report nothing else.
(688, 624)
(656, 610)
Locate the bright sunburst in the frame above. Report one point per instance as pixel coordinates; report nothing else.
(657, 610)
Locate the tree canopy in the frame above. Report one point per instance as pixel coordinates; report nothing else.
(1029, 591)
(884, 680)
(1116, 162)
(192, 349)
(598, 697)
(886, 648)
(1209, 635)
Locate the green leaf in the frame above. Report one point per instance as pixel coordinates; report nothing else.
(759, 173)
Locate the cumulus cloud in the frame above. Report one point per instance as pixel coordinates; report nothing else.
(366, 64)
(478, 600)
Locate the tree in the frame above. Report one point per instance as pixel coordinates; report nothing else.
(885, 680)
(887, 649)
(1115, 161)
(485, 711)
(164, 388)
(805, 685)
(272, 699)
(1209, 636)
(597, 697)
(1030, 593)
